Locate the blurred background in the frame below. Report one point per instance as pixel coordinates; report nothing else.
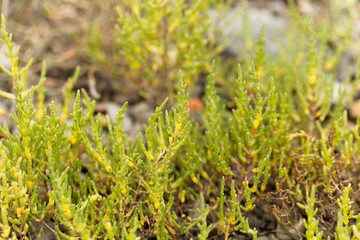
(119, 63)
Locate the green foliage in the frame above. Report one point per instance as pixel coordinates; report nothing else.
(311, 224)
(277, 125)
(215, 133)
(154, 39)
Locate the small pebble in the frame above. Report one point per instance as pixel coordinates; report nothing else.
(272, 237)
(140, 112)
(355, 110)
(284, 234)
(263, 238)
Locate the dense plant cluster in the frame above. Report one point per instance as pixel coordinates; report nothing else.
(276, 140)
(154, 38)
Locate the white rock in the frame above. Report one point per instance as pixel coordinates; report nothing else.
(274, 27)
(141, 112)
(4, 60)
(112, 110)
